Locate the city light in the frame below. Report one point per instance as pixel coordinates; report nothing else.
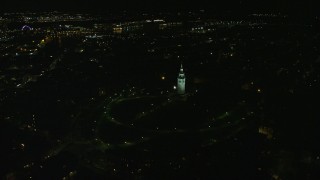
(174, 91)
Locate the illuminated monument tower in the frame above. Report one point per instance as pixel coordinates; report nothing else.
(181, 83)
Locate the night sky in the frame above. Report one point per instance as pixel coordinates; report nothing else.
(300, 7)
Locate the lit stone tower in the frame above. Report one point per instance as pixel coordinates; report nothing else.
(181, 83)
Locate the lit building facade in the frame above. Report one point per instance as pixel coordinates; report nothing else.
(181, 82)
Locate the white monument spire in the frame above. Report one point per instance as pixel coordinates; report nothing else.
(181, 82)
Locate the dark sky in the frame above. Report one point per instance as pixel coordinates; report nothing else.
(237, 6)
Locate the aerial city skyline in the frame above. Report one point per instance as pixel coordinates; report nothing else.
(159, 90)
